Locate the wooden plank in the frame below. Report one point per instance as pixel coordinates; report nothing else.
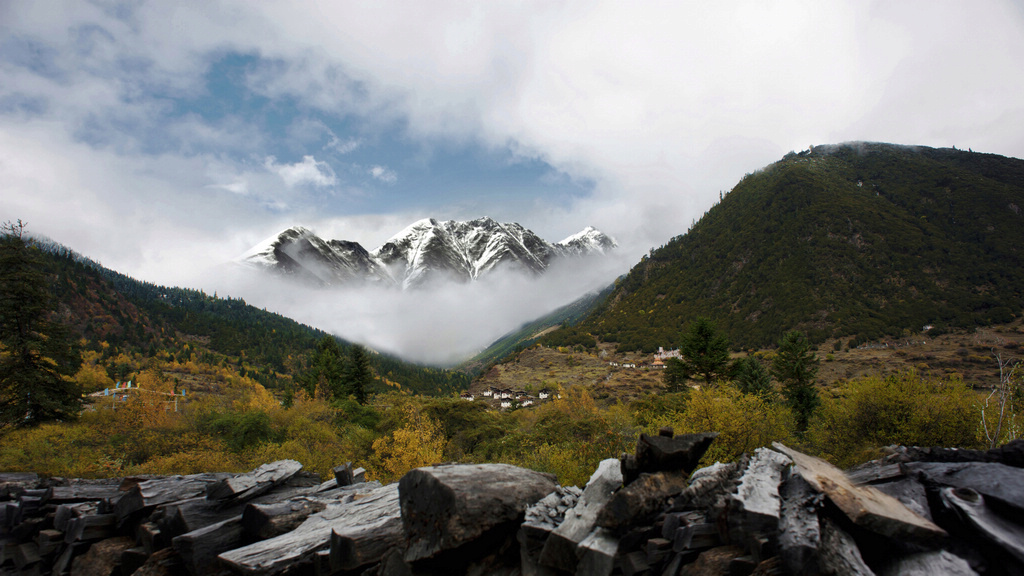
(275, 555)
(354, 545)
(148, 494)
(839, 553)
(799, 529)
(866, 506)
(995, 481)
(263, 521)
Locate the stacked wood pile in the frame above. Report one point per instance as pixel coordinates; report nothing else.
(917, 511)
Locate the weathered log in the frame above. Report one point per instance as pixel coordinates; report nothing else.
(866, 506)
(148, 494)
(911, 493)
(874, 471)
(90, 527)
(84, 492)
(263, 521)
(357, 544)
(664, 453)
(278, 554)
(708, 487)
(839, 554)
(247, 486)
(640, 501)
(799, 530)
(929, 564)
(49, 541)
(999, 483)
(13, 484)
(199, 549)
(560, 548)
(66, 512)
(756, 504)
(26, 555)
(446, 506)
(970, 507)
(343, 474)
(597, 553)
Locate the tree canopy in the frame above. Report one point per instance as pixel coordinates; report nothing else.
(37, 356)
(795, 367)
(705, 351)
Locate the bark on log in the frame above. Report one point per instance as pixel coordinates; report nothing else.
(839, 554)
(756, 504)
(446, 506)
(799, 530)
(151, 493)
(597, 553)
(285, 551)
(999, 482)
(560, 548)
(640, 501)
(247, 486)
(971, 509)
(866, 506)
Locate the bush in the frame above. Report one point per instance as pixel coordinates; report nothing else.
(906, 408)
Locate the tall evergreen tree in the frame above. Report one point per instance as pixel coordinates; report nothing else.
(753, 378)
(326, 374)
(795, 367)
(704, 350)
(37, 356)
(360, 377)
(675, 376)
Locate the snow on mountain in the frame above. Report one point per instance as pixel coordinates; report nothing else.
(425, 252)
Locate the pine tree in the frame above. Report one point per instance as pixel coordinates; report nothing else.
(360, 377)
(37, 356)
(753, 378)
(326, 373)
(795, 367)
(675, 376)
(704, 350)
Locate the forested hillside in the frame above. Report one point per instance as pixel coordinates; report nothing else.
(116, 315)
(854, 241)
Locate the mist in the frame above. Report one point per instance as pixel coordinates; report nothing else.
(439, 325)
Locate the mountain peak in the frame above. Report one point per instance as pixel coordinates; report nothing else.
(425, 252)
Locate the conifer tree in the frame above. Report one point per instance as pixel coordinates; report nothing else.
(795, 367)
(37, 356)
(705, 351)
(753, 378)
(360, 377)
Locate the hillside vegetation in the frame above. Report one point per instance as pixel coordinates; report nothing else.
(855, 241)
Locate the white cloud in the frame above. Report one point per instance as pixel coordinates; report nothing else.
(384, 174)
(307, 172)
(343, 147)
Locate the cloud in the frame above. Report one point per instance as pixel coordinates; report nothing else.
(307, 172)
(384, 174)
(109, 113)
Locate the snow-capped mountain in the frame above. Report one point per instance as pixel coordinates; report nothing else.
(425, 252)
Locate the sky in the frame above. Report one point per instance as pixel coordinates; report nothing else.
(164, 139)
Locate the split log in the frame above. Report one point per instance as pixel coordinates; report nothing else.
(90, 527)
(874, 471)
(199, 549)
(66, 512)
(597, 553)
(275, 555)
(911, 493)
(799, 530)
(665, 453)
(866, 506)
(357, 544)
(263, 521)
(641, 500)
(26, 555)
(971, 509)
(103, 558)
(247, 486)
(839, 554)
(756, 504)
(132, 559)
(997, 482)
(446, 506)
(149, 494)
(560, 548)
(49, 541)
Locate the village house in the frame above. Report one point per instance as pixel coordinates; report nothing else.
(466, 396)
(544, 394)
(505, 393)
(506, 403)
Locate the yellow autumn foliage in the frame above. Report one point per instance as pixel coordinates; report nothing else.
(420, 442)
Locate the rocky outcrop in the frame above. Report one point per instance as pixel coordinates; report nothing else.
(776, 511)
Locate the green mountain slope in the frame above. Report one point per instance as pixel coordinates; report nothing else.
(529, 333)
(854, 240)
(115, 313)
